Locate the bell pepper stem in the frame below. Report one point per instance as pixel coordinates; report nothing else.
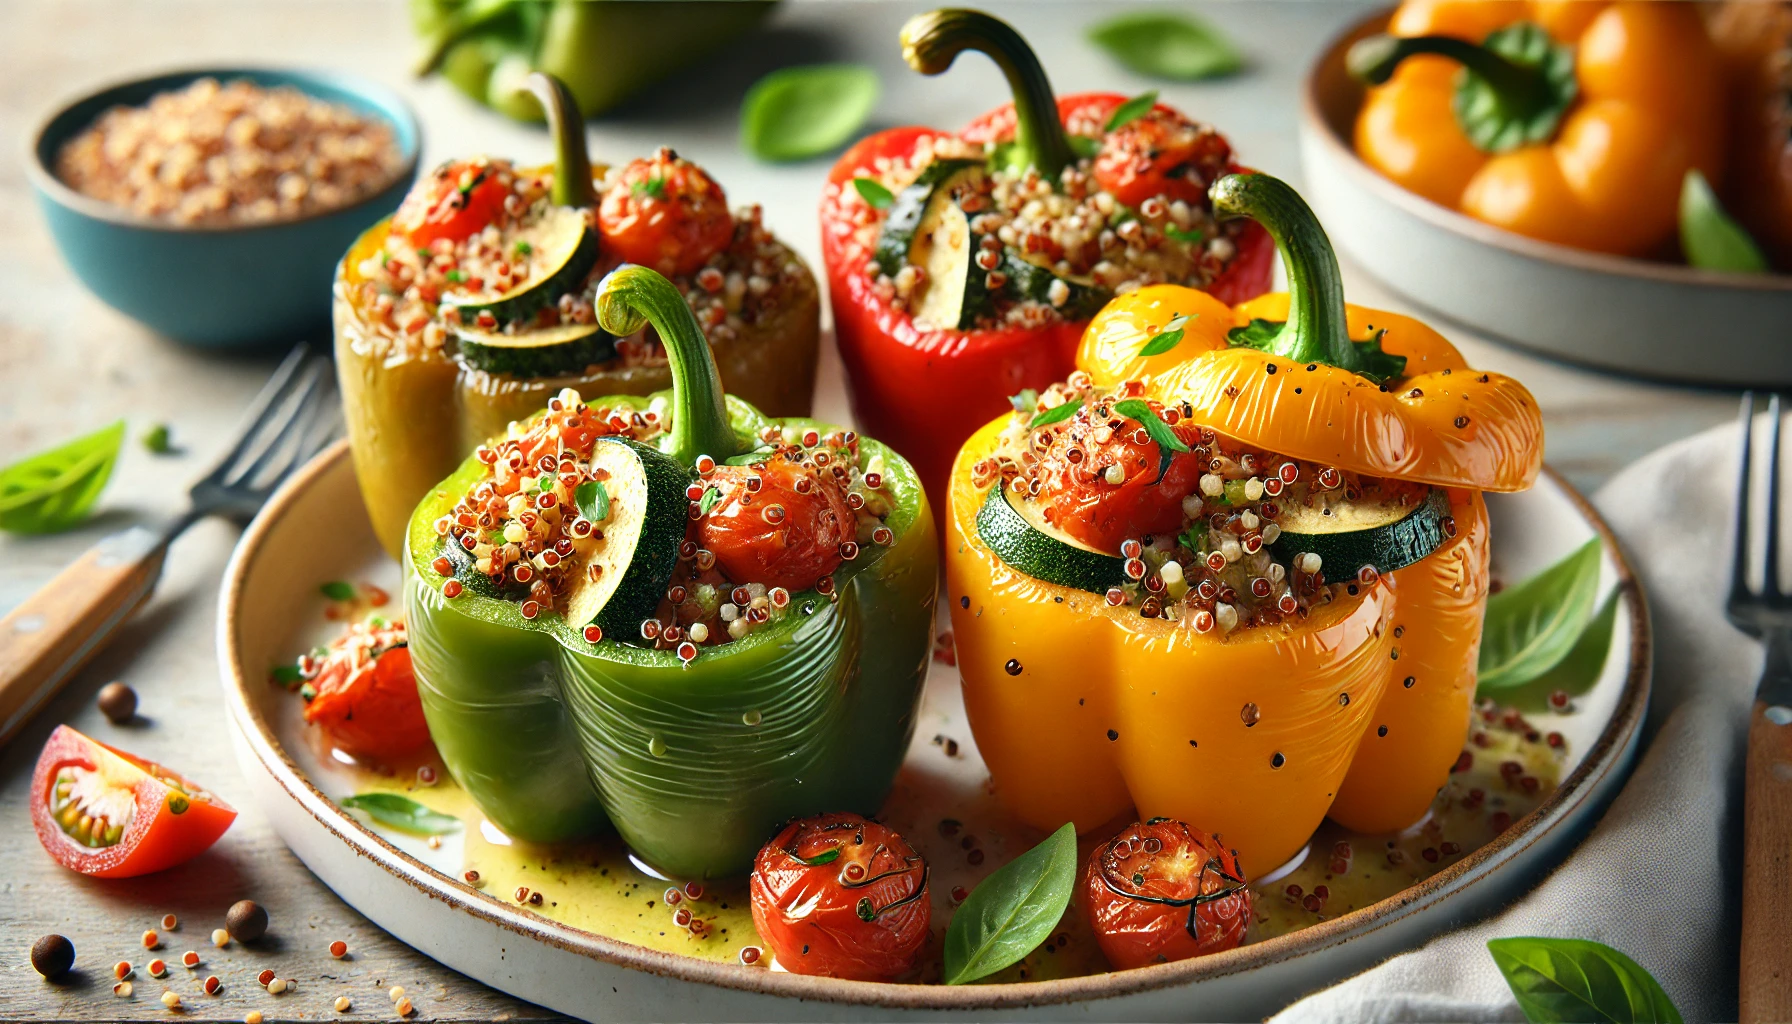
(1521, 90)
(572, 162)
(1316, 330)
(455, 27)
(631, 296)
(931, 41)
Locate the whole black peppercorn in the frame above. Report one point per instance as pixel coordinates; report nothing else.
(52, 956)
(246, 921)
(117, 702)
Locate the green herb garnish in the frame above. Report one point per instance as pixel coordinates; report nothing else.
(336, 590)
(55, 489)
(708, 501)
(456, 276)
(1013, 910)
(401, 812)
(1531, 627)
(824, 857)
(1378, 366)
(1166, 339)
(287, 675)
(654, 186)
(801, 112)
(1711, 239)
(1130, 111)
(1188, 237)
(1056, 414)
(1177, 47)
(1571, 980)
(523, 248)
(874, 193)
(593, 501)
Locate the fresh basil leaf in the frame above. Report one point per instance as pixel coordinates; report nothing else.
(53, 490)
(1378, 366)
(874, 193)
(158, 440)
(336, 590)
(287, 675)
(1013, 910)
(1187, 237)
(1136, 409)
(593, 501)
(654, 187)
(1193, 537)
(1530, 627)
(1557, 981)
(1575, 674)
(1177, 47)
(1056, 414)
(824, 857)
(1130, 111)
(401, 812)
(801, 112)
(710, 497)
(748, 458)
(1708, 235)
(1166, 339)
(1084, 146)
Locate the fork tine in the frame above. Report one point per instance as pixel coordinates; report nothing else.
(1739, 591)
(305, 436)
(270, 398)
(276, 428)
(1770, 586)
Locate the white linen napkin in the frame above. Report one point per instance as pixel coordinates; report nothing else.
(1660, 875)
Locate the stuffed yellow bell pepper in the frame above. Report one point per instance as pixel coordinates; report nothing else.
(1232, 571)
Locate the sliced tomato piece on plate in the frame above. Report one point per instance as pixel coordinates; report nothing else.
(109, 814)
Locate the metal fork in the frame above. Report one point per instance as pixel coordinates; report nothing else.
(45, 640)
(1766, 982)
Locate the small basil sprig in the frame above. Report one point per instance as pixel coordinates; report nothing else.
(874, 193)
(1708, 236)
(1557, 981)
(593, 501)
(1378, 366)
(1575, 674)
(1130, 111)
(1177, 47)
(824, 857)
(1531, 626)
(796, 113)
(337, 590)
(1168, 338)
(1013, 910)
(1186, 236)
(1056, 414)
(54, 490)
(711, 495)
(401, 812)
(1137, 409)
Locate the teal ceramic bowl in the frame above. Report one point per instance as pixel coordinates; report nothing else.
(222, 287)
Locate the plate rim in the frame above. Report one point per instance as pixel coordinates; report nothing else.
(1602, 758)
(1313, 122)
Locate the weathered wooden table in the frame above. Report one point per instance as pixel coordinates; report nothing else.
(68, 364)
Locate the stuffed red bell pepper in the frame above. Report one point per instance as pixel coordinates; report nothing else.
(964, 266)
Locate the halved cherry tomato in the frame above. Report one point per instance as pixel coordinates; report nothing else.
(1162, 891)
(1161, 154)
(1079, 499)
(664, 212)
(786, 533)
(843, 897)
(367, 695)
(106, 813)
(461, 199)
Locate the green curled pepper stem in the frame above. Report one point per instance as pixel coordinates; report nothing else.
(931, 41)
(572, 162)
(1530, 93)
(464, 21)
(631, 296)
(1316, 330)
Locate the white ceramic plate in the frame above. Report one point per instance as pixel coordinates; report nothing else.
(1634, 316)
(315, 529)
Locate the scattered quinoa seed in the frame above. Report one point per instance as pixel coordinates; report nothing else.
(266, 977)
(122, 990)
(121, 970)
(212, 985)
(190, 958)
(396, 993)
(171, 1000)
(151, 940)
(343, 1005)
(405, 1009)
(220, 938)
(339, 949)
(252, 1017)
(169, 922)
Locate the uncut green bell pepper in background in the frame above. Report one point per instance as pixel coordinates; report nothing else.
(695, 764)
(605, 50)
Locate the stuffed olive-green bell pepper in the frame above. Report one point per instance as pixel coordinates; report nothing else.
(671, 612)
(471, 306)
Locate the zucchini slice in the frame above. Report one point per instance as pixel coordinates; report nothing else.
(544, 352)
(567, 249)
(1350, 535)
(639, 549)
(910, 205)
(1029, 280)
(479, 584)
(1037, 549)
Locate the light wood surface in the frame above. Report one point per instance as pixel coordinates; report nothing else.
(1767, 867)
(68, 363)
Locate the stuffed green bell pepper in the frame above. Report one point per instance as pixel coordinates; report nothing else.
(671, 612)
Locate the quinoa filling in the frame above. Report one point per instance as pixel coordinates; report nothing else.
(781, 521)
(1215, 511)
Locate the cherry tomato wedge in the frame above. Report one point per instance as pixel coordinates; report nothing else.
(1088, 499)
(106, 813)
(664, 212)
(461, 199)
(843, 897)
(784, 531)
(367, 694)
(1161, 154)
(1162, 891)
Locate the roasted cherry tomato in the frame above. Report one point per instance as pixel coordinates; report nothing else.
(461, 199)
(666, 213)
(366, 695)
(785, 531)
(1081, 496)
(106, 813)
(843, 897)
(1162, 891)
(1161, 154)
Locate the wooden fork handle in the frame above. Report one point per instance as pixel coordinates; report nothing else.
(1767, 866)
(45, 640)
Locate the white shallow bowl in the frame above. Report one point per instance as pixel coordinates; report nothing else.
(1650, 319)
(315, 528)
